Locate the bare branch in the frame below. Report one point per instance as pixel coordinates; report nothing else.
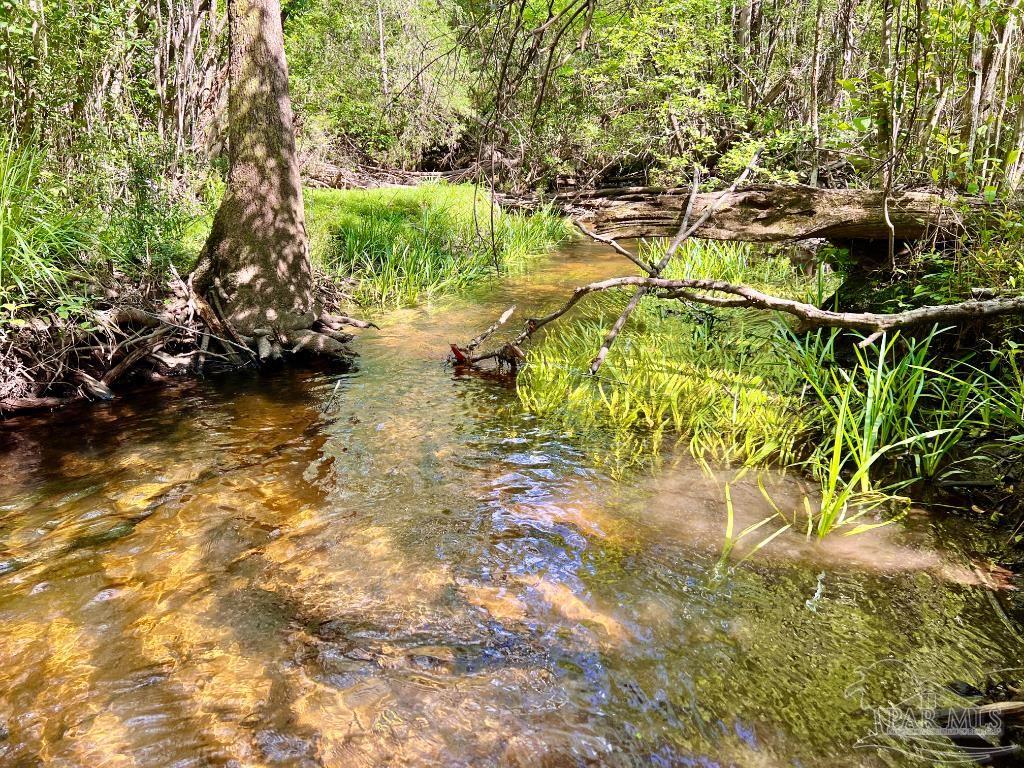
(812, 316)
(490, 331)
(615, 245)
(742, 296)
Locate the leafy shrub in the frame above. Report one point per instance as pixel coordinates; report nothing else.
(42, 240)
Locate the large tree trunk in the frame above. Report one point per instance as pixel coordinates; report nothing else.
(256, 261)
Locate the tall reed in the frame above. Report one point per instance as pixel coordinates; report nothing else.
(41, 237)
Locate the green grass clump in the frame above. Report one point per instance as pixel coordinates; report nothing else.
(404, 245)
(41, 242)
(713, 377)
(59, 243)
(897, 415)
(668, 375)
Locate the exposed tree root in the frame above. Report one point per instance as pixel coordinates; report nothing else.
(47, 362)
(317, 343)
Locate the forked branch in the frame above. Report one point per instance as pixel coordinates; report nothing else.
(718, 293)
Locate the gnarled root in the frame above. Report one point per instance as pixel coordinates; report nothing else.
(316, 343)
(336, 322)
(47, 362)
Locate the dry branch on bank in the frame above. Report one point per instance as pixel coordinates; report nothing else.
(718, 293)
(742, 296)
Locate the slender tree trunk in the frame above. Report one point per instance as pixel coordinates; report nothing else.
(815, 95)
(1016, 168)
(977, 75)
(884, 116)
(996, 59)
(385, 89)
(845, 28)
(256, 265)
(742, 25)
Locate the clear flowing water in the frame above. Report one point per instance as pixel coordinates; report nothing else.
(395, 566)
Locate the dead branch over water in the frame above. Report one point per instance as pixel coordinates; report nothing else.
(718, 293)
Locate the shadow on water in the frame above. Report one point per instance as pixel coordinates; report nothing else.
(396, 567)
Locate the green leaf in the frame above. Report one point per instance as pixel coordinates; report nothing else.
(863, 123)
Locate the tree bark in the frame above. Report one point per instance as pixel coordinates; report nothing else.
(978, 76)
(815, 95)
(884, 114)
(256, 263)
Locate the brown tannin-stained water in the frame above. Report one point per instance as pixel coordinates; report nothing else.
(395, 566)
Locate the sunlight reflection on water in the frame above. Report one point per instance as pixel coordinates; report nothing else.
(229, 572)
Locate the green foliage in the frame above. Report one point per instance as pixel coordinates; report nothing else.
(147, 225)
(406, 245)
(361, 77)
(42, 241)
(896, 417)
(55, 251)
(649, 88)
(837, 92)
(867, 411)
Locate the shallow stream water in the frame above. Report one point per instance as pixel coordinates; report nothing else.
(395, 566)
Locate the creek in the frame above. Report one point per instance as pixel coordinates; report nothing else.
(397, 566)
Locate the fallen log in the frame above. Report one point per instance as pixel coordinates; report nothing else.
(318, 173)
(764, 213)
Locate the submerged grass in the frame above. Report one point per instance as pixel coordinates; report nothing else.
(742, 388)
(712, 377)
(403, 245)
